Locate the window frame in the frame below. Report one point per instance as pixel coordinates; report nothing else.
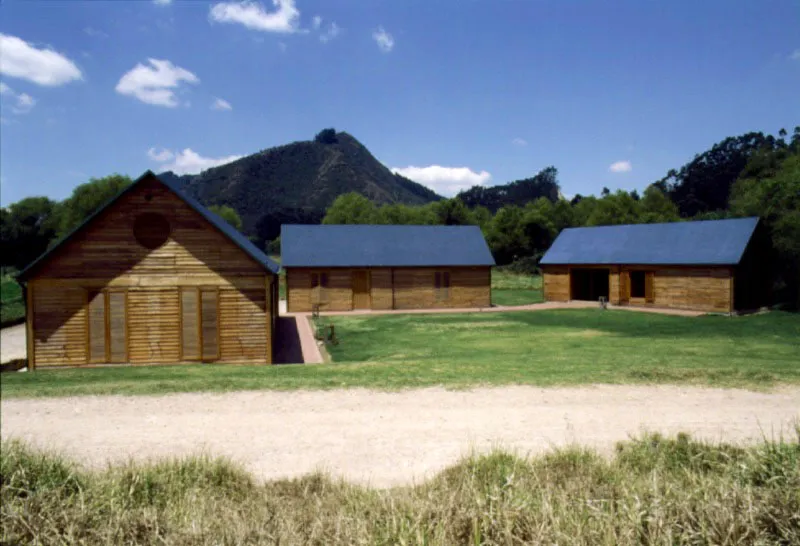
(198, 297)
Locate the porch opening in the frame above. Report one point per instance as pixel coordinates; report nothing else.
(589, 284)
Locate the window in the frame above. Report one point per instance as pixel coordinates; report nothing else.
(441, 285)
(637, 284)
(199, 324)
(107, 335)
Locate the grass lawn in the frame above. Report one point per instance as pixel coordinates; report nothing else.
(558, 347)
(514, 289)
(12, 308)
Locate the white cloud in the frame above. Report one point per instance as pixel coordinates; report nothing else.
(332, 32)
(384, 40)
(95, 33)
(155, 84)
(316, 22)
(445, 180)
(162, 2)
(795, 56)
(19, 59)
(519, 142)
(621, 167)
(253, 15)
(221, 104)
(22, 102)
(187, 161)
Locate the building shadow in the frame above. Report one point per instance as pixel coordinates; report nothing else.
(287, 343)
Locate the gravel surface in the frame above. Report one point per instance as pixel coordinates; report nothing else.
(12, 343)
(386, 438)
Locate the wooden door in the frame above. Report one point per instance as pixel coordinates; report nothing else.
(107, 327)
(649, 290)
(361, 299)
(624, 287)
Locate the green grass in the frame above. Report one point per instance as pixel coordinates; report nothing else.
(558, 347)
(653, 490)
(12, 308)
(511, 289)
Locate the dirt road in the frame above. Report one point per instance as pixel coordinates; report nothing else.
(386, 438)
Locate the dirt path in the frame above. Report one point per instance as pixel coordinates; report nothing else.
(12, 343)
(386, 438)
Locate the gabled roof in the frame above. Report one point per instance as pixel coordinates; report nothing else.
(707, 242)
(221, 225)
(383, 246)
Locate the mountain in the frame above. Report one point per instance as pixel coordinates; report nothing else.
(519, 192)
(296, 182)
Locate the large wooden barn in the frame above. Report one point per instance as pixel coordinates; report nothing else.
(346, 267)
(151, 278)
(714, 265)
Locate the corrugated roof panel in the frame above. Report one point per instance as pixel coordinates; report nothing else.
(707, 242)
(383, 246)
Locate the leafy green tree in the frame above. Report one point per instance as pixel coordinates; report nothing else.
(452, 212)
(351, 208)
(776, 199)
(656, 207)
(86, 199)
(506, 235)
(614, 209)
(228, 214)
(26, 229)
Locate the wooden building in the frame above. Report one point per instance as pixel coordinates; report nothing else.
(346, 267)
(151, 278)
(713, 265)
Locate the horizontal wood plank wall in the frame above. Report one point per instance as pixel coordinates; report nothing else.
(107, 255)
(413, 288)
(556, 282)
(614, 285)
(59, 325)
(701, 289)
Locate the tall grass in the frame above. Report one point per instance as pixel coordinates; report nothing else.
(654, 490)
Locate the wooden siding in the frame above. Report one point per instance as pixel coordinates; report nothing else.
(392, 288)
(106, 257)
(697, 288)
(556, 282)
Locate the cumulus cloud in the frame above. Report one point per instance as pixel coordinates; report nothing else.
(155, 84)
(22, 103)
(331, 33)
(445, 180)
(621, 167)
(519, 142)
(221, 104)
(186, 161)
(44, 66)
(316, 22)
(254, 16)
(384, 40)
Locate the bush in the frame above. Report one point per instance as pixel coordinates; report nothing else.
(528, 265)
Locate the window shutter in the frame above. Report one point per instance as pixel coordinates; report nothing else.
(190, 332)
(97, 326)
(117, 338)
(209, 326)
(437, 280)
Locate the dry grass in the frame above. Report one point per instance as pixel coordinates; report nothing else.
(653, 491)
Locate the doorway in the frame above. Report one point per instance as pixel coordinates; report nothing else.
(589, 284)
(361, 286)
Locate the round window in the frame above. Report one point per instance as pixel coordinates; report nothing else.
(151, 230)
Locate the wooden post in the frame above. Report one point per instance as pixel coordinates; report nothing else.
(29, 312)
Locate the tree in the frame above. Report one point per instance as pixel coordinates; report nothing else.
(26, 229)
(326, 136)
(614, 209)
(351, 208)
(86, 199)
(506, 236)
(228, 214)
(656, 207)
(452, 212)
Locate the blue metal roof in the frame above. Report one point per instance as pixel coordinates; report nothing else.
(221, 225)
(707, 242)
(383, 246)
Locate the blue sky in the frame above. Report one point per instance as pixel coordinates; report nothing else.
(450, 92)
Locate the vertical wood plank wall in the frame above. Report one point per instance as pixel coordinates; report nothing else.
(697, 288)
(392, 288)
(107, 256)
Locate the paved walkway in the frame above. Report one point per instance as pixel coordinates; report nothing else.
(507, 309)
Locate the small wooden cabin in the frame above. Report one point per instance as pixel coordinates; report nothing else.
(346, 267)
(712, 265)
(152, 277)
